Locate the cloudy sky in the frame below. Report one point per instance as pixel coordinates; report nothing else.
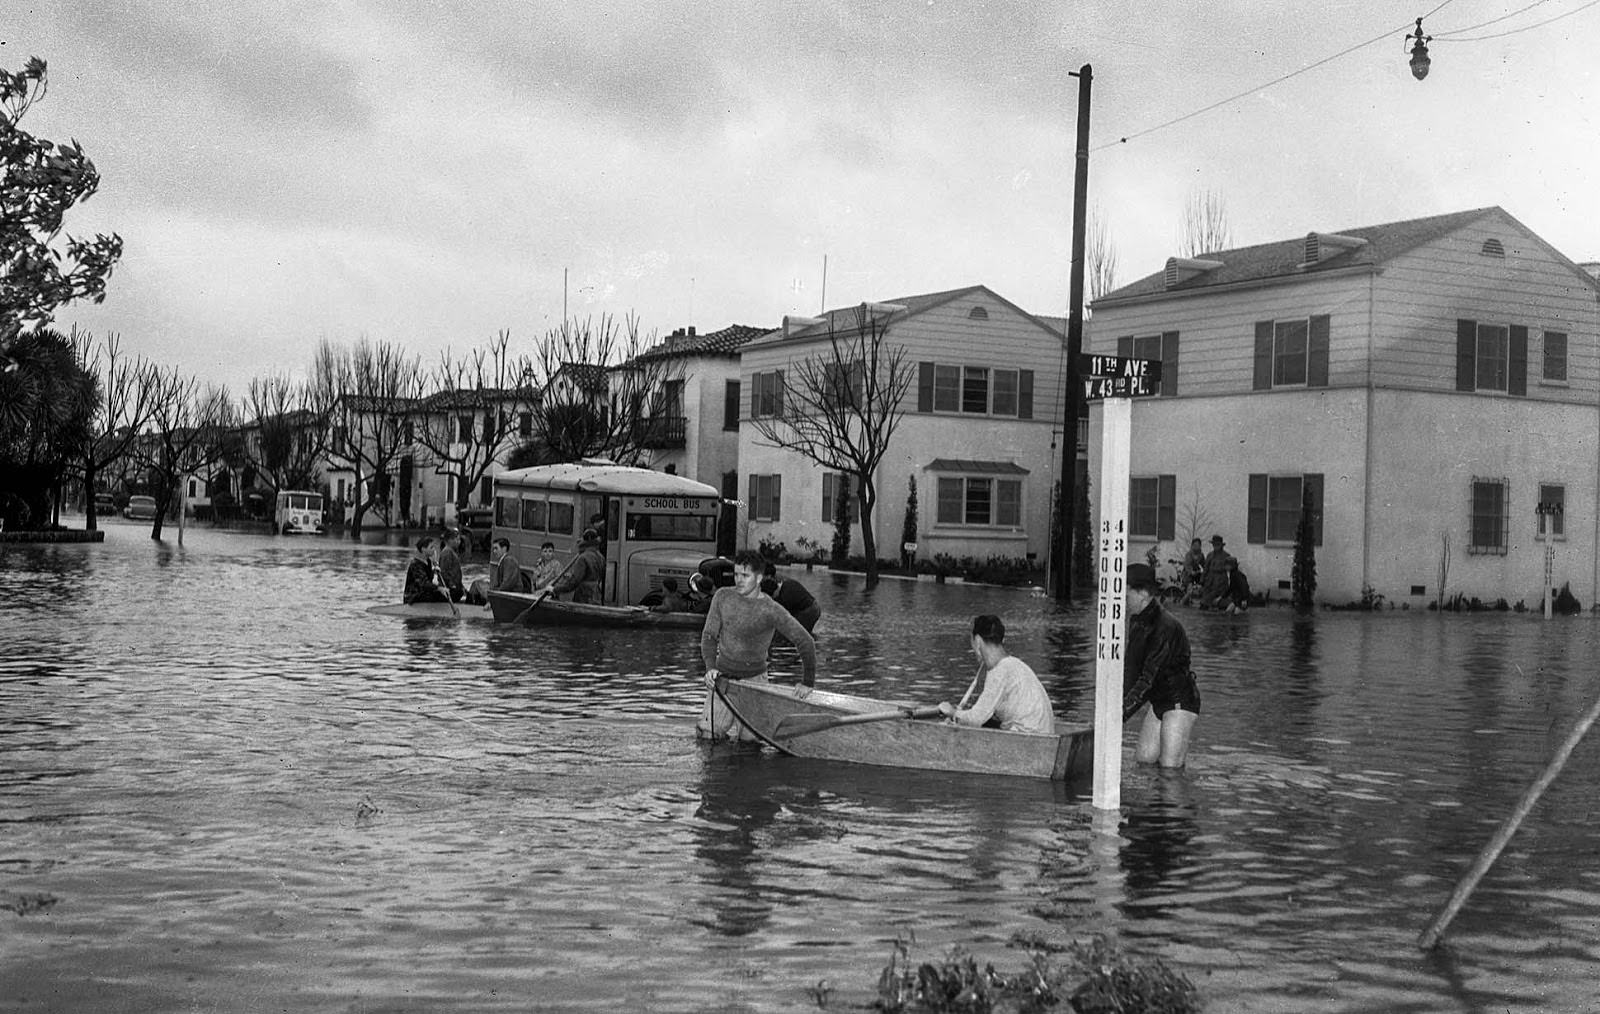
(430, 173)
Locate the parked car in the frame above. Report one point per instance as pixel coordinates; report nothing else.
(477, 523)
(140, 508)
(105, 505)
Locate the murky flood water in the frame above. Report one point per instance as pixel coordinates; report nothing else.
(225, 787)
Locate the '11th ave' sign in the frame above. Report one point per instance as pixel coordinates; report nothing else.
(1116, 377)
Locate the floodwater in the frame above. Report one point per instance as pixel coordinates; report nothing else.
(225, 787)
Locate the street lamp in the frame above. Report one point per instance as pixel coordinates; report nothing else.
(1419, 52)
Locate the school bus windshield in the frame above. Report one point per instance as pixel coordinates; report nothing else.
(671, 527)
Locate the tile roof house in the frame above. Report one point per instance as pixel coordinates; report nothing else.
(1432, 385)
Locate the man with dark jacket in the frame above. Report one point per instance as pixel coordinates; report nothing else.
(1156, 672)
(585, 577)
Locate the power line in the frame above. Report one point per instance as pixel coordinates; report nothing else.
(1515, 31)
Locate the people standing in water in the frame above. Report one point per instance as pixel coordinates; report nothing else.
(791, 595)
(1012, 698)
(736, 638)
(1157, 674)
(1214, 588)
(423, 583)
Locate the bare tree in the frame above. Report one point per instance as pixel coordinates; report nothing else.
(187, 425)
(287, 425)
(127, 389)
(1205, 223)
(373, 390)
(1101, 254)
(469, 416)
(602, 388)
(841, 407)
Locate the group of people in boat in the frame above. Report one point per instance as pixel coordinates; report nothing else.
(1158, 679)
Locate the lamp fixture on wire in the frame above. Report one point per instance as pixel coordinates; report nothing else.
(1419, 52)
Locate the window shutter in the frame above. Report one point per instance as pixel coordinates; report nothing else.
(827, 497)
(1166, 506)
(777, 398)
(1466, 355)
(1517, 377)
(730, 406)
(1169, 364)
(755, 395)
(1313, 483)
(1125, 346)
(1256, 519)
(1317, 352)
(1263, 358)
(924, 387)
(777, 495)
(1024, 394)
(753, 508)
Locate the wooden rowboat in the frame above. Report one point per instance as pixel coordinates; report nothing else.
(840, 727)
(431, 611)
(552, 612)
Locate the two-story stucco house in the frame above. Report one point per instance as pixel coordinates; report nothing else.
(979, 421)
(1433, 384)
(695, 433)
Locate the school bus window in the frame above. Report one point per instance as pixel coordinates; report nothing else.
(671, 527)
(533, 515)
(560, 518)
(507, 512)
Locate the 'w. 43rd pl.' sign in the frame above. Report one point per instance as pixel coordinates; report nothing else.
(1116, 377)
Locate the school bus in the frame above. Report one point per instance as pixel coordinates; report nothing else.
(298, 510)
(652, 525)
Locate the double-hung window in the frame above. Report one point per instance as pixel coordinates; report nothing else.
(1552, 511)
(975, 390)
(1161, 347)
(1493, 357)
(1490, 509)
(766, 394)
(1292, 352)
(1152, 507)
(1276, 503)
(833, 485)
(765, 496)
(989, 497)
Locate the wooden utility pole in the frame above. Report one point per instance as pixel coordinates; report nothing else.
(1068, 502)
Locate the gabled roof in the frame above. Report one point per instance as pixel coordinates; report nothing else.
(1286, 258)
(589, 377)
(844, 319)
(715, 343)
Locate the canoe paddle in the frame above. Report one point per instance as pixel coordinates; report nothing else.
(790, 726)
(524, 614)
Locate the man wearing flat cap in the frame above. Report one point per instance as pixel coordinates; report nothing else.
(1156, 673)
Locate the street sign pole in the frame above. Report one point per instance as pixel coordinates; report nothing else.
(1112, 544)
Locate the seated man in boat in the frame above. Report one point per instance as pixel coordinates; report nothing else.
(585, 576)
(700, 592)
(449, 562)
(423, 583)
(791, 595)
(505, 574)
(1156, 672)
(1013, 698)
(738, 635)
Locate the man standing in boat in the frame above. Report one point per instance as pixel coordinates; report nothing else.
(423, 583)
(585, 576)
(1157, 673)
(736, 638)
(1012, 698)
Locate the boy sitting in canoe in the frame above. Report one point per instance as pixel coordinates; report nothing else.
(1012, 698)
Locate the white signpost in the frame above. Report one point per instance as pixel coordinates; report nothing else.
(1116, 382)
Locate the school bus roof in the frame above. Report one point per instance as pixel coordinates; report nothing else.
(595, 478)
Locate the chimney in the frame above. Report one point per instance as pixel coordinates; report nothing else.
(691, 330)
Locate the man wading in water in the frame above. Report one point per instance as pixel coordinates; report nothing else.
(736, 638)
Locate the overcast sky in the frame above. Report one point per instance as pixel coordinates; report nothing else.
(425, 172)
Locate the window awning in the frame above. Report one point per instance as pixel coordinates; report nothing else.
(971, 465)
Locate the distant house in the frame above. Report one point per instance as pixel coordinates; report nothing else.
(693, 427)
(977, 433)
(1432, 385)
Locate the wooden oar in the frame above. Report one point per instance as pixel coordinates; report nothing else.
(1502, 837)
(968, 695)
(524, 614)
(790, 726)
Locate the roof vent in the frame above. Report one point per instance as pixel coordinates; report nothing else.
(793, 325)
(1320, 246)
(1493, 248)
(977, 313)
(1181, 269)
